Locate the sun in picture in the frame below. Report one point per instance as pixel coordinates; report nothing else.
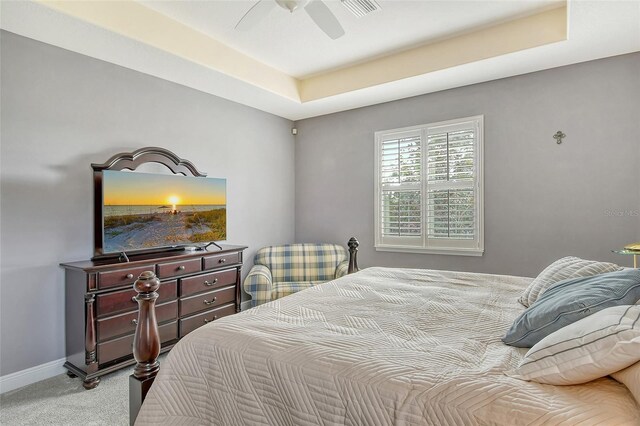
(173, 200)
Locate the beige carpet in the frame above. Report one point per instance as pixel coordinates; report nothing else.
(61, 400)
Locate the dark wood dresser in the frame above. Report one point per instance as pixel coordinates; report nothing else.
(197, 287)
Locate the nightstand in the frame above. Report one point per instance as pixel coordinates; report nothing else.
(634, 253)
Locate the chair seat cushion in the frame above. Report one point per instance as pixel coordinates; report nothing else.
(284, 288)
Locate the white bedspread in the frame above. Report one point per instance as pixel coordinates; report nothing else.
(380, 347)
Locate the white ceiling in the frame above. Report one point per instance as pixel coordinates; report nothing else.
(295, 47)
(290, 42)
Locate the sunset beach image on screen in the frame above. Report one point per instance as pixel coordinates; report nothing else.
(144, 210)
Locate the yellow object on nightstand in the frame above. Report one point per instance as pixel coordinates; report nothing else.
(633, 247)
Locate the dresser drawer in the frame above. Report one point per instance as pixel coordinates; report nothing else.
(207, 282)
(206, 301)
(126, 323)
(123, 346)
(122, 276)
(122, 301)
(220, 260)
(174, 269)
(187, 325)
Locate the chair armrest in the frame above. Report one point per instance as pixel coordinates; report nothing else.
(342, 269)
(258, 284)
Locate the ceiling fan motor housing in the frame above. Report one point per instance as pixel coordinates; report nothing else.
(317, 10)
(291, 5)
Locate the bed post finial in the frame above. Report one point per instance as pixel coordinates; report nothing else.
(146, 342)
(353, 255)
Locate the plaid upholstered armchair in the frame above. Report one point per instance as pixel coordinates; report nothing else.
(282, 270)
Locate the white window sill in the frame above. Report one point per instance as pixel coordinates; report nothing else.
(441, 250)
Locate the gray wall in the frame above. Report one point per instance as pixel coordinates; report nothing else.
(61, 111)
(542, 200)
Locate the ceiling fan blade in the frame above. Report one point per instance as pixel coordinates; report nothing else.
(324, 18)
(257, 12)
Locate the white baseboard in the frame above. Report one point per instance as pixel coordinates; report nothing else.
(31, 375)
(245, 305)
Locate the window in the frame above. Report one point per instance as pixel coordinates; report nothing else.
(429, 191)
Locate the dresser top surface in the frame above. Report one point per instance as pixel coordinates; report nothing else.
(145, 259)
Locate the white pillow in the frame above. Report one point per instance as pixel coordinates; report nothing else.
(592, 347)
(630, 377)
(563, 269)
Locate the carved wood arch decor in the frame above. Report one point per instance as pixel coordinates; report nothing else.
(131, 161)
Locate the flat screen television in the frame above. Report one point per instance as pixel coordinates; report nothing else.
(148, 211)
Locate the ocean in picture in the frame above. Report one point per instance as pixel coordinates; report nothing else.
(143, 211)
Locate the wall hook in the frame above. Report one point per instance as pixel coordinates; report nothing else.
(558, 136)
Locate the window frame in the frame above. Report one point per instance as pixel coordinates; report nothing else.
(424, 244)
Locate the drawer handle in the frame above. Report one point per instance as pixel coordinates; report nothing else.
(181, 268)
(133, 299)
(206, 302)
(210, 283)
(223, 260)
(215, 317)
(129, 276)
(134, 321)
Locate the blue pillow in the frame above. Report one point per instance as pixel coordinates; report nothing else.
(570, 300)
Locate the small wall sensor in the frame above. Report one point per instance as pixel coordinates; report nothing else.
(294, 131)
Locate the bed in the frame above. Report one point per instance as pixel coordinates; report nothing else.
(381, 346)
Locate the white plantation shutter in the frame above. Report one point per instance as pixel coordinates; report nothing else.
(400, 182)
(450, 180)
(429, 188)
(401, 160)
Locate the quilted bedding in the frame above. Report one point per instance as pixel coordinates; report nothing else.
(379, 347)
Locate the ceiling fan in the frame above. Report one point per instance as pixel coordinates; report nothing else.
(316, 9)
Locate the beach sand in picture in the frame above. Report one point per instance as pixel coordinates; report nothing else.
(139, 231)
